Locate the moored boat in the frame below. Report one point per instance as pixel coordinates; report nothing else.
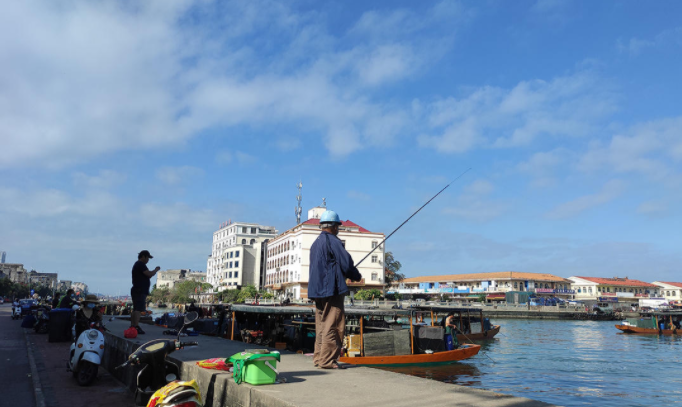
(653, 323)
(471, 324)
(465, 351)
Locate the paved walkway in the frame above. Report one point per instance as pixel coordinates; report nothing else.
(15, 371)
(307, 386)
(57, 386)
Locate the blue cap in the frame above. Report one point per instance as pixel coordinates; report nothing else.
(330, 217)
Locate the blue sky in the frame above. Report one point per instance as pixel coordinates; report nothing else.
(130, 126)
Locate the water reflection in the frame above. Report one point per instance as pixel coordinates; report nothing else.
(570, 363)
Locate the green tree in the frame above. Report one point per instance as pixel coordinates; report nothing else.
(248, 291)
(392, 270)
(367, 294)
(230, 296)
(183, 290)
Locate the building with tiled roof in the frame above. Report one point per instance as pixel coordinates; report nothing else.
(287, 256)
(616, 289)
(493, 284)
(671, 291)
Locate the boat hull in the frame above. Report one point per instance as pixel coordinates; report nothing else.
(490, 334)
(464, 352)
(629, 329)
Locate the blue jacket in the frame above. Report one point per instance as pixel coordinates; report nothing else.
(330, 266)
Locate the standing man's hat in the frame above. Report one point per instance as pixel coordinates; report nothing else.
(145, 253)
(91, 298)
(330, 217)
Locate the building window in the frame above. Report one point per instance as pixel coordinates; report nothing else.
(374, 276)
(236, 254)
(230, 264)
(375, 259)
(236, 264)
(243, 241)
(374, 244)
(243, 229)
(231, 254)
(253, 241)
(253, 231)
(230, 274)
(236, 274)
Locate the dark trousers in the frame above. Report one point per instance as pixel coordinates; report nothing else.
(330, 328)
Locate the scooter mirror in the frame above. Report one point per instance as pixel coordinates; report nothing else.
(191, 317)
(75, 307)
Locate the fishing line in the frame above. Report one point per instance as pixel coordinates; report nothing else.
(411, 216)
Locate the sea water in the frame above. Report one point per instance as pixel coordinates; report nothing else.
(570, 363)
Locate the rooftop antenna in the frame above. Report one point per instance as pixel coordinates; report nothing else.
(299, 197)
(324, 202)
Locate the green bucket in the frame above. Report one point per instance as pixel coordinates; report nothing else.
(255, 368)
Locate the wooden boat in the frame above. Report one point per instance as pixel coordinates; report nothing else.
(464, 317)
(449, 356)
(653, 323)
(479, 336)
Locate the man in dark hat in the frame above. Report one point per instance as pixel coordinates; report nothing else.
(141, 282)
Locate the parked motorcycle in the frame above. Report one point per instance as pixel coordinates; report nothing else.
(16, 311)
(86, 353)
(157, 380)
(42, 320)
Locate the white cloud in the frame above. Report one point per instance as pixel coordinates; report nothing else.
(288, 144)
(105, 179)
(239, 157)
(475, 203)
(101, 77)
(161, 216)
(667, 38)
(541, 166)
(494, 117)
(652, 148)
(360, 196)
(609, 192)
(653, 209)
(178, 175)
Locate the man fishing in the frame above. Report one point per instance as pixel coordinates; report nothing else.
(330, 266)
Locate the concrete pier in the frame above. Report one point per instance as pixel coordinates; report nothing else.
(304, 384)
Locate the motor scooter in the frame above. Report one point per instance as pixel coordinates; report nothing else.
(86, 353)
(16, 310)
(157, 380)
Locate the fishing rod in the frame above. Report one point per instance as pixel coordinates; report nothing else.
(411, 216)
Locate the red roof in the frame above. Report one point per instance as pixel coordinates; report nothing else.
(348, 223)
(673, 284)
(618, 281)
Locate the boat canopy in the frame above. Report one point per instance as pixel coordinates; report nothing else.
(305, 310)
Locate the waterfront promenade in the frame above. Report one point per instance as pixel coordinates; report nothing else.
(306, 386)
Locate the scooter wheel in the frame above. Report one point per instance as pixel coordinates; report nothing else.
(86, 373)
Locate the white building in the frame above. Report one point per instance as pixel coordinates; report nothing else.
(670, 291)
(237, 255)
(168, 278)
(288, 256)
(493, 284)
(616, 289)
(80, 288)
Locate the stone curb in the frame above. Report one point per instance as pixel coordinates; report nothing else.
(37, 388)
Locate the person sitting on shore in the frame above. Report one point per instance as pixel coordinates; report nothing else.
(87, 314)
